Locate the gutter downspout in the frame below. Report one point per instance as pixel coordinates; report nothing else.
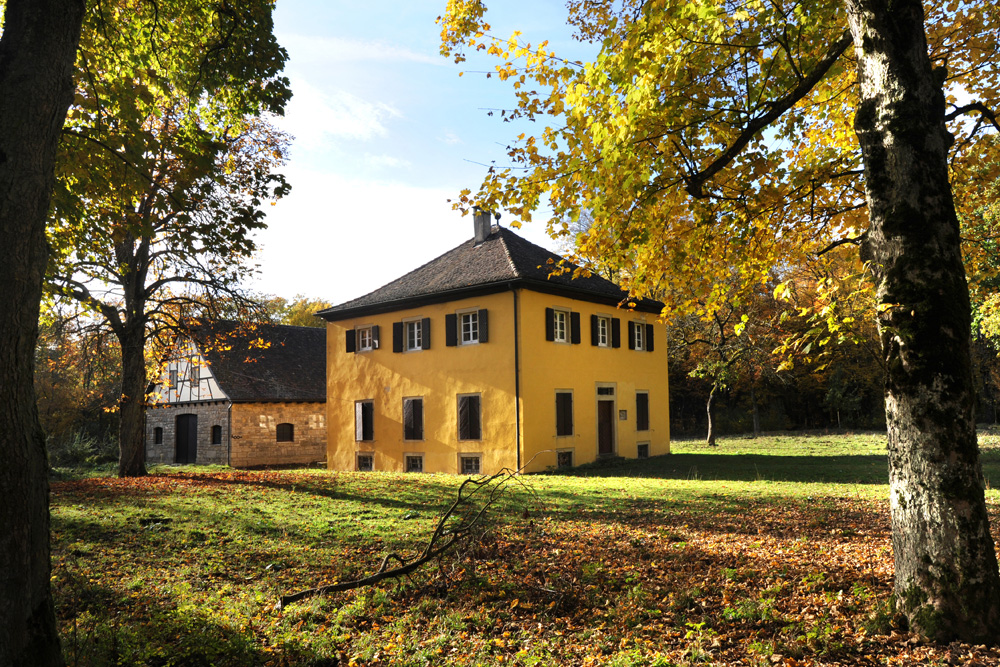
(517, 377)
(229, 439)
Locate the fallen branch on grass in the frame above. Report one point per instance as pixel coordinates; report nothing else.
(443, 538)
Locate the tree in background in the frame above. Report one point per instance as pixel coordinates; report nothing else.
(662, 139)
(166, 160)
(300, 311)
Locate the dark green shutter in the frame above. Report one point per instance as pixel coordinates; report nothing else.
(397, 336)
(649, 338)
(574, 334)
(375, 336)
(451, 330)
(484, 326)
(351, 338)
(631, 335)
(550, 324)
(594, 333)
(616, 332)
(425, 331)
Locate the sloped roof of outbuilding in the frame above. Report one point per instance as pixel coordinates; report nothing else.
(264, 362)
(502, 261)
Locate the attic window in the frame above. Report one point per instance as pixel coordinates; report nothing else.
(285, 433)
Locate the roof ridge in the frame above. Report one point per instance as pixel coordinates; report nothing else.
(506, 250)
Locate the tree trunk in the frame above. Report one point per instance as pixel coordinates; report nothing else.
(131, 405)
(947, 582)
(710, 437)
(756, 412)
(37, 52)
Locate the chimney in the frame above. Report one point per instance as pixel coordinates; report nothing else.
(481, 224)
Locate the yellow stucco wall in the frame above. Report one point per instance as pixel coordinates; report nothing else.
(440, 374)
(548, 366)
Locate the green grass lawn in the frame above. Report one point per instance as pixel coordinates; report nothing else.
(760, 552)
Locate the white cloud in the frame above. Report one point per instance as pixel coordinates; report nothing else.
(315, 117)
(386, 161)
(305, 49)
(450, 138)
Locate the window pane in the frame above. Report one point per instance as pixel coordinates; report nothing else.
(285, 433)
(470, 465)
(413, 419)
(559, 327)
(364, 414)
(470, 327)
(602, 332)
(414, 464)
(366, 462)
(564, 459)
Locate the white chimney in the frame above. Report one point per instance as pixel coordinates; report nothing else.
(481, 224)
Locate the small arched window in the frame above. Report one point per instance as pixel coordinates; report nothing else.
(285, 433)
(216, 435)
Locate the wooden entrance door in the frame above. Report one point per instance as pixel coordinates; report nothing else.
(605, 428)
(187, 439)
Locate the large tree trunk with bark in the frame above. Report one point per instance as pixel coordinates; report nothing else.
(710, 436)
(131, 433)
(947, 582)
(37, 52)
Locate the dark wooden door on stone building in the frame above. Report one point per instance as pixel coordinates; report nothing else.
(187, 439)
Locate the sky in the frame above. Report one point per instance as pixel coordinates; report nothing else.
(385, 132)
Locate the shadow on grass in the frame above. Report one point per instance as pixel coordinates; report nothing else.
(862, 469)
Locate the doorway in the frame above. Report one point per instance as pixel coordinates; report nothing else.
(187, 439)
(605, 420)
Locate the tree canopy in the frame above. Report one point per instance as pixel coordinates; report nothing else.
(166, 162)
(713, 139)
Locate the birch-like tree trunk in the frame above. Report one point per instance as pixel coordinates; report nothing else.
(37, 52)
(946, 582)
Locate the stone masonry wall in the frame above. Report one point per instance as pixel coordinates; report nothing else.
(209, 415)
(255, 434)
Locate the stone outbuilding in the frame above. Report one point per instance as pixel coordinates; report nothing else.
(245, 395)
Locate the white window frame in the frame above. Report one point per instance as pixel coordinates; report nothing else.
(468, 327)
(413, 455)
(462, 457)
(639, 335)
(364, 339)
(560, 325)
(413, 335)
(603, 331)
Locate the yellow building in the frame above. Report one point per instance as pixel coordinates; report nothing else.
(481, 360)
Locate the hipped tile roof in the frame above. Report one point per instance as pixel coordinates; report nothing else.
(264, 362)
(501, 261)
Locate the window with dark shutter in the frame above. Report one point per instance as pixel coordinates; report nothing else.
(351, 338)
(564, 413)
(425, 325)
(550, 324)
(574, 334)
(616, 332)
(397, 337)
(285, 433)
(469, 422)
(216, 435)
(451, 330)
(595, 336)
(642, 411)
(364, 421)
(631, 335)
(413, 419)
(484, 326)
(649, 338)
(375, 336)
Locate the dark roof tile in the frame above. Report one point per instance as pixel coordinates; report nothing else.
(503, 258)
(265, 362)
